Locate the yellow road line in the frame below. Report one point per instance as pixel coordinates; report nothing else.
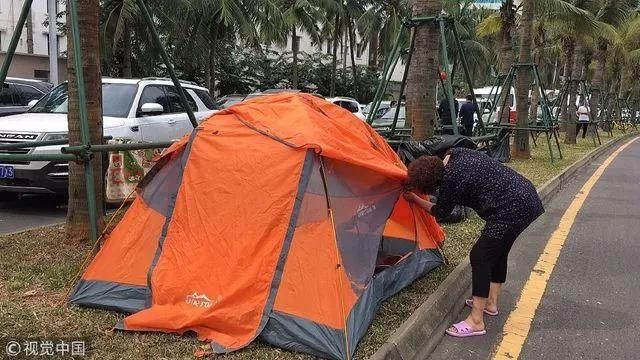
(517, 327)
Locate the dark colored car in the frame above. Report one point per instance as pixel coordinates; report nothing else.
(17, 93)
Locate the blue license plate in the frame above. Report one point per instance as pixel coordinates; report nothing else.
(6, 172)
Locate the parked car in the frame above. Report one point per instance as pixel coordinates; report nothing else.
(228, 100)
(17, 93)
(382, 109)
(139, 109)
(349, 104)
(386, 121)
(269, 92)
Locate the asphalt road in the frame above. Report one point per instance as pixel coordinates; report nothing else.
(29, 212)
(590, 309)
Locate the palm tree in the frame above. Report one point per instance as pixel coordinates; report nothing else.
(77, 213)
(466, 18)
(609, 14)
(304, 15)
(503, 24)
(520, 149)
(422, 78)
(381, 21)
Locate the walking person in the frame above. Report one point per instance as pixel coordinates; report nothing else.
(506, 200)
(444, 112)
(583, 120)
(467, 114)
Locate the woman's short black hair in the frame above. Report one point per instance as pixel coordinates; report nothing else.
(425, 174)
(469, 97)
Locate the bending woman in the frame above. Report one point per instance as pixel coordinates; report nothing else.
(506, 200)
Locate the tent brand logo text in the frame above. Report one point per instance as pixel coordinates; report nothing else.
(365, 210)
(199, 300)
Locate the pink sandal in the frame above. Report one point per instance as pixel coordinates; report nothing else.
(469, 303)
(464, 330)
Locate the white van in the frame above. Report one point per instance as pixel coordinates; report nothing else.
(485, 97)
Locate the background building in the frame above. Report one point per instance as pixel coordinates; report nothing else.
(32, 54)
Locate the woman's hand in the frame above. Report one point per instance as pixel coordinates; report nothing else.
(411, 197)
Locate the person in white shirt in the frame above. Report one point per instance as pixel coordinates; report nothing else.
(583, 120)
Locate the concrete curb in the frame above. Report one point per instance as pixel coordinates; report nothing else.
(419, 335)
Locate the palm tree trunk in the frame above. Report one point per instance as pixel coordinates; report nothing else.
(520, 149)
(569, 46)
(294, 65)
(373, 51)
(570, 135)
(423, 75)
(598, 78)
(30, 33)
(211, 64)
(126, 52)
(334, 59)
(343, 52)
(354, 68)
(77, 214)
(506, 54)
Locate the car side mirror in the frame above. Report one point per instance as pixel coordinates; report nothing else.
(32, 103)
(149, 109)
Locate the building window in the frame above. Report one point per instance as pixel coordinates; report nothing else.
(329, 47)
(57, 44)
(41, 75)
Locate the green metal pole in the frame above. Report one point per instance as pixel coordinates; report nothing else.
(449, 87)
(84, 121)
(412, 43)
(116, 147)
(37, 157)
(156, 39)
(24, 13)
(381, 85)
(467, 75)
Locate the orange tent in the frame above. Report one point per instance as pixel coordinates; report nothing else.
(281, 218)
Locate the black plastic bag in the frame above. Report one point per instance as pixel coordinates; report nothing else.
(501, 149)
(433, 146)
(458, 214)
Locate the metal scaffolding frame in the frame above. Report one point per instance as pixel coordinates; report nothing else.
(444, 23)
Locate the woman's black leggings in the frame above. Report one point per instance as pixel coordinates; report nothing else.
(489, 255)
(584, 126)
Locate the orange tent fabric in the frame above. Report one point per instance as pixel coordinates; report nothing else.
(280, 217)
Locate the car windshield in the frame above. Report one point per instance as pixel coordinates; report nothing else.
(389, 115)
(383, 105)
(116, 100)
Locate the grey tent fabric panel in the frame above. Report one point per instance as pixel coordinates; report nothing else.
(302, 335)
(110, 296)
(294, 333)
(362, 201)
(163, 184)
(386, 284)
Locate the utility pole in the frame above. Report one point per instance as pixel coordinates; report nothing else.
(53, 41)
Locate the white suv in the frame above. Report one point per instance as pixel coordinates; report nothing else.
(348, 104)
(140, 109)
